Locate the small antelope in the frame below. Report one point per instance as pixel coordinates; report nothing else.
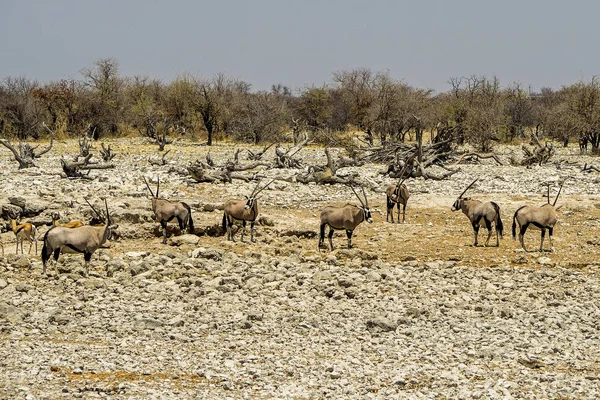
(397, 194)
(70, 224)
(347, 218)
(480, 213)
(23, 231)
(242, 210)
(165, 211)
(84, 239)
(541, 218)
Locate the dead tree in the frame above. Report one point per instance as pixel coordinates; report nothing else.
(295, 130)
(539, 154)
(85, 142)
(325, 174)
(209, 171)
(26, 153)
(589, 168)
(285, 158)
(415, 159)
(159, 162)
(106, 153)
(74, 168)
(259, 154)
(159, 138)
(476, 157)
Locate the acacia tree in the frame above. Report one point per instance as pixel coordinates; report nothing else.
(314, 107)
(519, 111)
(475, 110)
(260, 116)
(20, 111)
(107, 101)
(358, 95)
(213, 101)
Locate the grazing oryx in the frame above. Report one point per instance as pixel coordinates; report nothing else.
(541, 218)
(70, 224)
(480, 213)
(242, 210)
(347, 217)
(397, 194)
(23, 231)
(84, 239)
(165, 211)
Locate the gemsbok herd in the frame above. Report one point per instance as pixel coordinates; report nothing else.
(77, 237)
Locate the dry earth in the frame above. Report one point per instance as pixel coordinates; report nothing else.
(413, 311)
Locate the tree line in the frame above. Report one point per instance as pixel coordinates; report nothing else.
(475, 109)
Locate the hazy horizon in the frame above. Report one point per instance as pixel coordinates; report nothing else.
(539, 44)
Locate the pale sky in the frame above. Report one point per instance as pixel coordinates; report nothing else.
(298, 43)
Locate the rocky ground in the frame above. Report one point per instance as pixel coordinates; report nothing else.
(413, 311)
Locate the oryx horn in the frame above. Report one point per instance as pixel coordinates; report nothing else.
(148, 186)
(97, 213)
(558, 194)
(465, 191)
(357, 196)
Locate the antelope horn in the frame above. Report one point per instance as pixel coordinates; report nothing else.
(365, 195)
(107, 214)
(157, 185)
(255, 188)
(97, 213)
(264, 187)
(401, 180)
(148, 186)
(359, 199)
(558, 194)
(465, 191)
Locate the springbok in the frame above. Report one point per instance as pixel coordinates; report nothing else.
(23, 231)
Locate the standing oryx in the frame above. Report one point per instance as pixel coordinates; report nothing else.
(347, 218)
(242, 210)
(23, 231)
(165, 211)
(397, 194)
(480, 213)
(84, 239)
(541, 218)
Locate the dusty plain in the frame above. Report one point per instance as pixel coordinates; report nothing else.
(412, 311)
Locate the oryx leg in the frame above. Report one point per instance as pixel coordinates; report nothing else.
(403, 213)
(488, 225)
(550, 232)
(522, 236)
(87, 257)
(475, 225)
(243, 230)
(398, 212)
(252, 232)
(349, 234)
(230, 229)
(390, 210)
(181, 224)
(321, 236)
(163, 224)
(330, 238)
(542, 239)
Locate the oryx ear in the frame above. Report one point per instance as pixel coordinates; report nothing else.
(246, 196)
